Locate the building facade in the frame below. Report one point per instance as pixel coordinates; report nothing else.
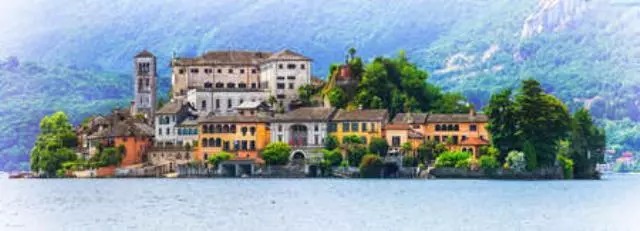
(242, 135)
(234, 76)
(174, 124)
(145, 77)
(304, 129)
(363, 123)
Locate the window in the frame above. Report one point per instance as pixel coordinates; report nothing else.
(208, 71)
(244, 131)
(280, 138)
(281, 96)
(204, 104)
(244, 145)
(195, 70)
(456, 127)
(280, 77)
(354, 127)
(291, 66)
(242, 85)
(253, 71)
(464, 138)
(146, 82)
(437, 139)
(168, 131)
(241, 101)
(217, 103)
(229, 103)
(280, 86)
(473, 127)
(331, 127)
(291, 77)
(181, 71)
(253, 85)
(373, 127)
(252, 130)
(315, 127)
(315, 139)
(291, 86)
(280, 66)
(455, 139)
(364, 127)
(450, 127)
(241, 71)
(252, 145)
(159, 131)
(438, 127)
(302, 66)
(219, 71)
(230, 71)
(231, 85)
(219, 85)
(345, 126)
(279, 128)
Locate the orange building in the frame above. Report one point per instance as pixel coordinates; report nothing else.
(460, 132)
(136, 137)
(245, 136)
(399, 134)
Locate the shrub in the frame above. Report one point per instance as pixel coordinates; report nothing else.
(453, 160)
(378, 146)
(409, 161)
(331, 142)
(351, 139)
(355, 154)
(276, 153)
(567, 166)
(488, 162)
(515, 161)
(216, 159)
(371, 166)
(333, 157)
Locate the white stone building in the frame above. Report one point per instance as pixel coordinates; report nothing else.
(304, 129)
(228, 77)
(175, 124)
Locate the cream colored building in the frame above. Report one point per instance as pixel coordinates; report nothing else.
(238, 76)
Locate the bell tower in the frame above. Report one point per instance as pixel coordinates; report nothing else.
(144, 91)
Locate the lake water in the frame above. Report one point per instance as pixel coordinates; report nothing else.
(319, 204)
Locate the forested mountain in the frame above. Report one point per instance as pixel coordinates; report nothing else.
(587, 52)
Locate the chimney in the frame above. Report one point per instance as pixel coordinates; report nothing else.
(133, 108)
(472, 111)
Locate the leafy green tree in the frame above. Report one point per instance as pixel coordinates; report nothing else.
(54, 145)
(409, 161)
(355, 152)
(305, 92)
(503, 121)
(406, 148)
(488, 162)
(371, 166)
(216, 159)
(333, 157)
(331, 142)
(586, 145)
(453, 160)
(378, 146)
(516, 161)
(426, 152)
(276, 153)
(351, 139)
(530, 156)
(451, 103)
(542, 121)
(337, 98)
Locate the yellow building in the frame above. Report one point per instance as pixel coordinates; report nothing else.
(242, 135)
(366, 124)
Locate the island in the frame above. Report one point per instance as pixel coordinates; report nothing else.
(263, 114)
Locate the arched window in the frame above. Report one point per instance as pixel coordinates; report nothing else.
(218, 142)
(233, 128)
(219, 85)
(219, 128)
(242, 85)
(253, 130)
(211, 142)
(450, 127)
(225, 129)
(438, 128)
(208, 85)
(456, 127)
(244, 131)
(204, 142)
(231, 85)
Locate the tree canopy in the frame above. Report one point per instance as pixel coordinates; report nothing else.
(54, 145)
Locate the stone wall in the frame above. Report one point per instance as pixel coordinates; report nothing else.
(552, 173)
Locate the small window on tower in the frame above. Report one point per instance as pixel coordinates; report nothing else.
(219, 71)
(241, 71)
(253, 71)
(230, 71)
(195, 70)
(181, 71)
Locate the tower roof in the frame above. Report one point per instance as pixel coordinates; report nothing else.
(144, 54)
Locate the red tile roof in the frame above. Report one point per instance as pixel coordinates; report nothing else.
(474, 141)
